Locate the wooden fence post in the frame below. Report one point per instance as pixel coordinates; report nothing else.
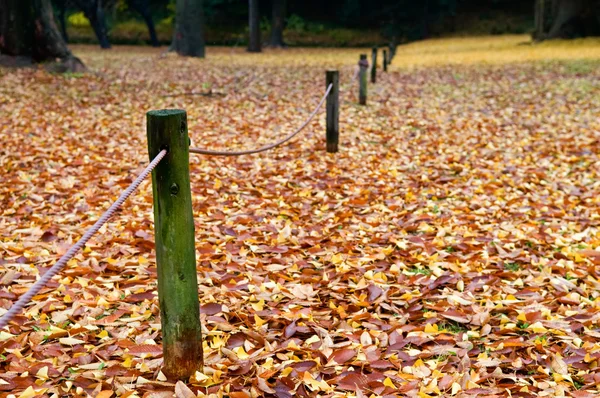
(385, 60)
(374, 65)
(175, 251)
(363, 64)
(333, 110)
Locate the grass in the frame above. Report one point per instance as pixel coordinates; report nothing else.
(582, 54)
(576, 57)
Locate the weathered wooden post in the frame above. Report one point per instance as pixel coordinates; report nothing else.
(374, 65)
(333, 110)
(385, 60)
(174, 237)
(363, 64)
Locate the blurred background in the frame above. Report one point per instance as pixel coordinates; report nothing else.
(336, 23)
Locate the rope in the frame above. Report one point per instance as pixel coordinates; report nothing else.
(271, 146)
(56, 268)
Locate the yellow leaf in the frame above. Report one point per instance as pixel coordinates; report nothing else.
(5, 336)
(241, 353)
(258, 321)
(537, 328)
(127, 362)
(30, 392)
(42, 373)
(336, 259)
(285, 372)
(259, 305)
(389, 383)
(199, 377)
(313, 339)
(70, 341)
(455, 388)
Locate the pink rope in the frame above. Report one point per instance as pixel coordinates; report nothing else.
(56, 268)
(266, 147)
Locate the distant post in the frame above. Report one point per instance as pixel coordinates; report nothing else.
(385, 60)
(374, 65)
(363, 64)
(174, 236)
(333, 110)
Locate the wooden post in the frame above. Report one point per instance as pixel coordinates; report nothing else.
(363, 64)
(385, 60)
(333, 110)
(374, 65)
(174, 237)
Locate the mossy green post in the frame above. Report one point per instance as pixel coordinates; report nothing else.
(175, 251)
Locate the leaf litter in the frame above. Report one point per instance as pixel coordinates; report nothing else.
(449, 249)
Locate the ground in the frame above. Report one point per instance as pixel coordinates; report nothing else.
(449, 248)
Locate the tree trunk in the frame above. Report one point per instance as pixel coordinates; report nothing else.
(188, 37)
(278, 23)
(540, 14)
(254, 27)
(141, 7)
(574, 18)
(28, 30)
(93, 11)
(62, 7)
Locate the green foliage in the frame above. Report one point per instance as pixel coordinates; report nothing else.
(512, 266)
(78, 20)
(295, 23)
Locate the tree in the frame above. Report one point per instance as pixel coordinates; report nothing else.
(93, 11)
(141, 7)
(573, 18)
(28, 31)
(278, 23)
(188, 37)
(254, 27)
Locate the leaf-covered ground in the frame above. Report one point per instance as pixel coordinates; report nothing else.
(449, 249)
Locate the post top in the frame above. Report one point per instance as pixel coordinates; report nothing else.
(165, 112)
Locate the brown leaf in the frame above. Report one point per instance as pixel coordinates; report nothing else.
(343, 356)
(183, 391)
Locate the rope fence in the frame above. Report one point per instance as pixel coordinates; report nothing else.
(168, 147)
(271, 146)
(60, 264)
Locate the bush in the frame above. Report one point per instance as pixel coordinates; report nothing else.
(78, 20)
(299, 34)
